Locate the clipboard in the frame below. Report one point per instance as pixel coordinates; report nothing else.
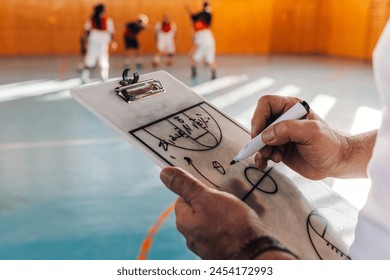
(175, 126)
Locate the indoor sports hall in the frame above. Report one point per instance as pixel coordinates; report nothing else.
(73, 188)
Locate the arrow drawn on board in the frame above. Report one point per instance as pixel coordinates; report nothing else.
(190, 162)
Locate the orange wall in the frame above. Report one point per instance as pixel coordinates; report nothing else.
(294, 26)
(354, 34)
(348, 28)
(55, 26)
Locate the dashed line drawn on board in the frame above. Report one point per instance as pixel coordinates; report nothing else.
(318, 224)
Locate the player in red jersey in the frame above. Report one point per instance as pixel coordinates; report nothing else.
(203, 42)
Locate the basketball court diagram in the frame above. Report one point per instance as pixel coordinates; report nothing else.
(202, 140)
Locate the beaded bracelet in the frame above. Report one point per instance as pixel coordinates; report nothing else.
(258, 246)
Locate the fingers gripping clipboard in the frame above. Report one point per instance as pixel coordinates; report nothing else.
(175, 126)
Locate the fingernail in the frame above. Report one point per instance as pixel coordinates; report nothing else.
(167, 175)
(268, 135)
(253, 129)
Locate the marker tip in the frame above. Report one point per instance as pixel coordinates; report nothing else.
(233, 162)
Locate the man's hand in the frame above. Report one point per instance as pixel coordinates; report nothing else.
(215, 224)
(310, 146)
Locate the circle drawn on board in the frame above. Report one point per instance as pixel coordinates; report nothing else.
(261, 180)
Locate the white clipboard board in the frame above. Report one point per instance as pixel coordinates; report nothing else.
(175, 126)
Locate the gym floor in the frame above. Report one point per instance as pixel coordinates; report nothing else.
(71, 188)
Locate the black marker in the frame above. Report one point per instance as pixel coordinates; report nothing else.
(296, 112)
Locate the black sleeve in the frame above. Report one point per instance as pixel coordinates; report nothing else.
(194, 17)
(206, 18)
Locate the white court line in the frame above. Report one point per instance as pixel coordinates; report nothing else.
(289, 90)
(58, 96)
(53, 144)
(236, 95)
(218, 84)
(245, 116)
(37, 89)
(64, 95)
(18, 84)
(322, 104)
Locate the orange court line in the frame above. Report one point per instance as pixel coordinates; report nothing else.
(148, 240)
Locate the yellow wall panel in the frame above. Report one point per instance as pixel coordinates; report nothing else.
(294, 26)
(7, 35)
(379, 13)
(348, 28)
(242, 26)
(55, 26)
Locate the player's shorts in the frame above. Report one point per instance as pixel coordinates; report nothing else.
(204, 46)
(96, 52)
(166, 43)
(131, 43)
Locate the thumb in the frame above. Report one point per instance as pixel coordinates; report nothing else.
(182, 183)
(297, 131)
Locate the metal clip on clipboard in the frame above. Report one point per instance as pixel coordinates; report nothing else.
(131, 90)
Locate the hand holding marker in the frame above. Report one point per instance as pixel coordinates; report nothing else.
(294, 113)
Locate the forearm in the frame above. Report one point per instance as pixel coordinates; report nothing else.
(356, 155)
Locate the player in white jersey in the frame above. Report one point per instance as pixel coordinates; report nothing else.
(99, 30)
(165, 36)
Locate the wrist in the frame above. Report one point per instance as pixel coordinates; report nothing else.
(355, 154)
(263, 248)
(276, 255)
